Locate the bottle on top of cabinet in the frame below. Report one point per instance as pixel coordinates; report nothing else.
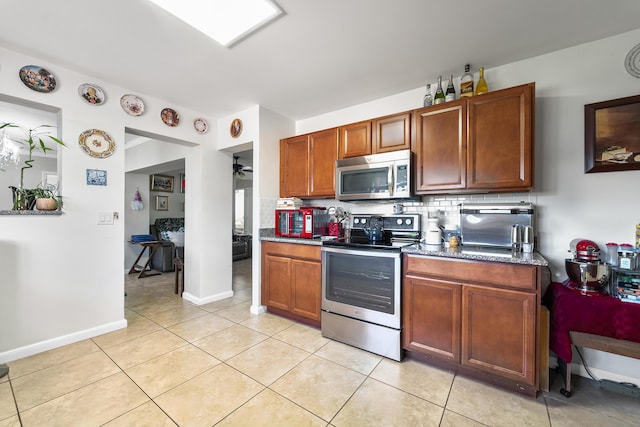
(439, 97)
(428, 99)
(450, 94)
(482, 86)
(466, 82)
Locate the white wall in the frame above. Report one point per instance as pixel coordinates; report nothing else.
(603, 206)
(62, 275)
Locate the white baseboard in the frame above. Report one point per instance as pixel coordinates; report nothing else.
(259, 309)
(39, 347)
(206, 300)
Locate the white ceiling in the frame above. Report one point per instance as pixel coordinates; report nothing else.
(320, 56)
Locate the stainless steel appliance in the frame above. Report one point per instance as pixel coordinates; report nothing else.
(374, 177)
(361, 282)
(306, 222)
(492, 224)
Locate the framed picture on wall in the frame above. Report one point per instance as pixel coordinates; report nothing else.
(162, 183)
(162, 203)
(612, 135)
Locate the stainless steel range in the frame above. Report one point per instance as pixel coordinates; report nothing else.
(361, 282)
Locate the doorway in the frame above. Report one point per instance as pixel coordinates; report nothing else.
(242, 222)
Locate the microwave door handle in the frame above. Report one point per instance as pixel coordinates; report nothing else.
(391, 179)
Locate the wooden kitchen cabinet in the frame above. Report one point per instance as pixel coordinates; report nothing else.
(501, 139)
(484, 143)
(291, 280)
(308, 165)
(355, 139)
(381, 135)
(440, 147)
(479, 317)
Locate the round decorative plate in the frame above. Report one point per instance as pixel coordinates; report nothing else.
(132, 104)
(37, 78)
(97, 143)
(170, 117)
(200, 125)
(91, 93)
(236, 128)
(632, 61)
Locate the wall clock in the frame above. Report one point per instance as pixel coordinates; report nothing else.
(632, 61)
(97, 143)
(236, 128)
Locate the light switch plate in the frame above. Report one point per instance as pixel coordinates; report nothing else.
(105, 218)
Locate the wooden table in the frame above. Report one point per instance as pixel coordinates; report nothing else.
(142, 269)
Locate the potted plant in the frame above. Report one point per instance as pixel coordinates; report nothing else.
(46, 199)
(32, 140)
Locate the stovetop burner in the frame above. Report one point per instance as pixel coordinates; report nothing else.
(399, 231)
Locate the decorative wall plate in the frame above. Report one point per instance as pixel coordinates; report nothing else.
(132, 104)
(632, 61)
(200, 125)
(170, 117)
(97, 143)
(91, 93)
(236, 128)
(37, 78)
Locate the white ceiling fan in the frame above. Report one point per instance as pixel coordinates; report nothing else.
(239, 169)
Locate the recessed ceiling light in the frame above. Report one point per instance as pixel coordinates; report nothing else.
(225, 21)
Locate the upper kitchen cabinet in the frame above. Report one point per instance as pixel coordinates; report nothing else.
(484, 143)
(381, 135)
(501, 139)
(440, 147)
(308, 165)
(355, 139)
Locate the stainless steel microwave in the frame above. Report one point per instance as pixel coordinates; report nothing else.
(374, 177)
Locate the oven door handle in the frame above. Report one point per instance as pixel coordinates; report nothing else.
(363, 252)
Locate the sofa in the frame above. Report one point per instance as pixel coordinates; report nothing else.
(241, 246)
(169, 231)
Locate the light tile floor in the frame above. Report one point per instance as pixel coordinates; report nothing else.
(217, 364)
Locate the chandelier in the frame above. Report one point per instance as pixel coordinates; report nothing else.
(9, 151)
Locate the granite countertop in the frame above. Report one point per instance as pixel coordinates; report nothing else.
(477, 254)
(269, 235)
(31, 212)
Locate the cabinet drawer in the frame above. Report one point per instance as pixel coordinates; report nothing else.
(487, 273)
(292, 250)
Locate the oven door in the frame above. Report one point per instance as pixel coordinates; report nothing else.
(362, 284)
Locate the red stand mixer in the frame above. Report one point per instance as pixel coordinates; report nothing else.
(585, 270)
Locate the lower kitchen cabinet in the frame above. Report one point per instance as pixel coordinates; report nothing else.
(291, 280)
(478, 317)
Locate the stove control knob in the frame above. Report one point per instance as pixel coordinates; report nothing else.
(356, 220)
(399, 221)
(408, 221)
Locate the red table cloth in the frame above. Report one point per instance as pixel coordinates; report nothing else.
(592, 313)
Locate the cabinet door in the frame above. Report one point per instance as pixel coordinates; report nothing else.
(440, 147)
(323, 153)
(355, 140)
(391, 133)
(501, 139)
(431, 317)
(306, 279)
(294, 166)
(276, 281)
(498, 332)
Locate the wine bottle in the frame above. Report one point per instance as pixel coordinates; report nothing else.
(439, 96)
(482, 86)
(450, 94)
(428, 99)
(466, 82)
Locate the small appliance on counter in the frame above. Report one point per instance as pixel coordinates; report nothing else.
(499, 225)
(585, 270)
(307, 222)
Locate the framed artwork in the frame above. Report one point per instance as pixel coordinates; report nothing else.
(96, 177)
(162, 183)
(612, 135)
(236, 128)
(182, 183)
(162, 203)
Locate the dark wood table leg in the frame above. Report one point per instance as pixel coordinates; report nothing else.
(565, 371)
(142, 269)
